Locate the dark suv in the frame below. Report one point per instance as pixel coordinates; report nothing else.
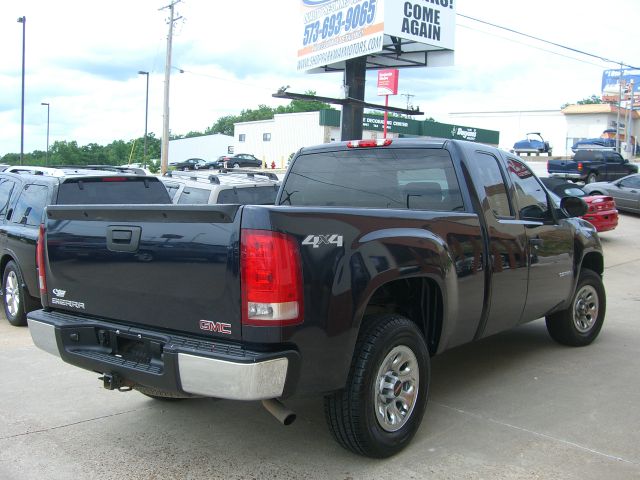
(23, 197)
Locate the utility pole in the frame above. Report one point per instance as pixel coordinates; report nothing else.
(618, 115)
(409, 97)
(164, 162)
(631, 144)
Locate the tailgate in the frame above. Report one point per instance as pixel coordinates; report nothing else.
(562, 166)
(172, 268)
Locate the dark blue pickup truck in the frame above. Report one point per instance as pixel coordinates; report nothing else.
(376, 256)
(592, 166)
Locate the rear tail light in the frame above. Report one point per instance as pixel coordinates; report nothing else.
(580, 166)
(369, 143)
(602, 204)
(42, 277)
(271, 279)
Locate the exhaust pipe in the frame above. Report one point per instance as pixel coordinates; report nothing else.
(277, 409)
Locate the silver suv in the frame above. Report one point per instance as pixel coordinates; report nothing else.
(245, 187)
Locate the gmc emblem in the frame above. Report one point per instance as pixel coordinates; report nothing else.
(218, 327)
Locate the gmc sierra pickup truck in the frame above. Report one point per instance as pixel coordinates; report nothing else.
(592, 166)
(376, 256)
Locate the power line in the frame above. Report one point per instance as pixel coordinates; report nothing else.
(575, 50)
(531, 46)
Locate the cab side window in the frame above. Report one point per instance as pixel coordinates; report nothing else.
(531, 197)
(489, 178)
(30, 207)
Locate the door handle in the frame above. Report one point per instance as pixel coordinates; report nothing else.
(121, 238)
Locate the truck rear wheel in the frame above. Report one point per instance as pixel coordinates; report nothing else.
(381, 408)
(592, 178)
(580, 324)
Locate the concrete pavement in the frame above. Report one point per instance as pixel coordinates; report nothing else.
(513, 406)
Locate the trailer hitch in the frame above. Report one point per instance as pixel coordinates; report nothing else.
(113, 381)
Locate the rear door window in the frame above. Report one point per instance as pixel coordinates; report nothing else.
(112, 190)
(193, 195)
(249, 195)
(416, 179)
(490, 184)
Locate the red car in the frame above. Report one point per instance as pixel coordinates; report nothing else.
(602, 212)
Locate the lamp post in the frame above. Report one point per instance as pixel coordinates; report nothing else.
(23, 21)
(146, 117)
(46, 159)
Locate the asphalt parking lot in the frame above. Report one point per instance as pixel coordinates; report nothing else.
(513, 406)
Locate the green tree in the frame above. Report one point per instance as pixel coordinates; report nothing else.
(593, 99)
(223, 125)
(120, 152)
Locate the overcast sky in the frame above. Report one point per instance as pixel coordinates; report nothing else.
(82, 57)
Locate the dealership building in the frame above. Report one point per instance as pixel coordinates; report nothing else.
(276, 139)
(562, 128)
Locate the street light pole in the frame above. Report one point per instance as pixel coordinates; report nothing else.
(23, 21)
(146, 118)
(46, 159)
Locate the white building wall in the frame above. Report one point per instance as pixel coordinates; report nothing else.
(514, 125)
(288, 133)
(588, 125)
(207, 147)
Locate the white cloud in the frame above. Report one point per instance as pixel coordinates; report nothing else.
(83, 58)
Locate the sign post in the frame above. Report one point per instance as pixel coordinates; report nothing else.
(387, 85)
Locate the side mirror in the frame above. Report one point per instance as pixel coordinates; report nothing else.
(573, 206)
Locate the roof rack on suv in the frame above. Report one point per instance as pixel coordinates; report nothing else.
(249, 173)
(65, 170)
(193, 176)
(213, 178)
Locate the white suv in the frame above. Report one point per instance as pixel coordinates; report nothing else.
(243, 187)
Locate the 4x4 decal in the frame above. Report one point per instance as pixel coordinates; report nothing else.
(316, 240)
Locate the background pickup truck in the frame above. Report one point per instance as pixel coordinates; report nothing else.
(376, 256)
(592, 166)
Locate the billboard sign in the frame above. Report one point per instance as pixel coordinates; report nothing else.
(426, 21)
(337, 30)
(388, 81)
(611, 86)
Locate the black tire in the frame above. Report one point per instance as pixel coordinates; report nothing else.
(592, 178)
(236, 165)
(580, 323)
(15, 298)
(185, 169)
(596, 193)
(353, 415)
(163, 395)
